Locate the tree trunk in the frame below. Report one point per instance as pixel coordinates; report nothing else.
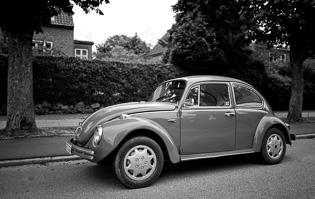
(20, 104)
(297, 87)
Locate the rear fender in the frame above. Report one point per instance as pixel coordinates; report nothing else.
(264, 125)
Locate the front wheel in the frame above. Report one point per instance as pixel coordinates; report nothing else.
(273, 146)
(139, 162)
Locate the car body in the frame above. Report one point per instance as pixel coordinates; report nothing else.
(186, 118)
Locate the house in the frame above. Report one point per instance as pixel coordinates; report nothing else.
(275, 54)
(158, 50)
(83, 49)
(58, 39)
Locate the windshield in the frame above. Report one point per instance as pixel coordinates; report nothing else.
(171, 91)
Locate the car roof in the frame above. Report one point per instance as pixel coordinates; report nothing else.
(201, 78)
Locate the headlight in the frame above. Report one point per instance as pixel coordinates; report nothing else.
(97, 136)
(78, 130)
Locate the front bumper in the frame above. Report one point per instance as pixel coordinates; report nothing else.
(79, 151)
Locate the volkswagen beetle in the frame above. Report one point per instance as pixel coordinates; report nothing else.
(184, 119)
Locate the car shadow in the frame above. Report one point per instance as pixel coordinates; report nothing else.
(211, 165)
(103, 176)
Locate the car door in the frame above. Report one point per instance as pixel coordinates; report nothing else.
(207, 119)
(249, 112)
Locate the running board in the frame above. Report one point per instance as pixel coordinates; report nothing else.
(215, 155)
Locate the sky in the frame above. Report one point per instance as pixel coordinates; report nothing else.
(150, 19)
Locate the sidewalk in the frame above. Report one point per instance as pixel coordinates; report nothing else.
(52, 120)
(46, 149)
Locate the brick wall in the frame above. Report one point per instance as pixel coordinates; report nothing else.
(62, 38)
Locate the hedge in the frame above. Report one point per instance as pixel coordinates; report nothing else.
(60, 80)
(72, 80)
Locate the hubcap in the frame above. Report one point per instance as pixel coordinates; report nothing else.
(140, 162)
(274, 146)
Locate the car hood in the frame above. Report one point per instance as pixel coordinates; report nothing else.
(113, 112)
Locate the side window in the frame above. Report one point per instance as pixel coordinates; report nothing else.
(214, 95)
(244, 96)
(209, 95)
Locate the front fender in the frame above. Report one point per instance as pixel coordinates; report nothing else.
(115, 131)
(266, 123)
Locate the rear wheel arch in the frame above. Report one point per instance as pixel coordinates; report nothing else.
(264, 126)
(283, 130)
(279, 127)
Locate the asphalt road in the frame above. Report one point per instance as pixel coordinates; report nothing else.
(228, 177)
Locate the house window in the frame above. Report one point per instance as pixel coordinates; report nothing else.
(283, 57)
(81, 53)
(48, 45)
(42, 45)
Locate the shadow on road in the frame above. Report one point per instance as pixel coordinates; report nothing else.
(103, 176)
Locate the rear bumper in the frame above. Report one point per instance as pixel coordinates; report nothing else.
(79, 151)
(293, 137)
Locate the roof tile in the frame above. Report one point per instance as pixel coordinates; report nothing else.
(62, 19)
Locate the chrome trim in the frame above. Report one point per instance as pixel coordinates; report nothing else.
(80, 151)
(197, 84)
(124, 116)
(229, 114)
(78, 130)
(250, 87)
(215, 155)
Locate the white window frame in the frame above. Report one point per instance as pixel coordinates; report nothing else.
(81, 56)
(48, 42)
(36, 42)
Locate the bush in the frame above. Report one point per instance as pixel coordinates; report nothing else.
(3, 82)
(277, 91)
(60, 80)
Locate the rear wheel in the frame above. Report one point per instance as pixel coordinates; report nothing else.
(139, 162)
(273, 146)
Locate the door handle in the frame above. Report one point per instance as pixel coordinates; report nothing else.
(172, 120)
(229, 114)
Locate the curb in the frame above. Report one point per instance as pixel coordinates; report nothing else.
(9, 163)
(306, 136)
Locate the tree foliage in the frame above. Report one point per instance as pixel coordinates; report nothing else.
(207, 33)
(122, 48)
(18, 22)
(285, 22)
(31, 15)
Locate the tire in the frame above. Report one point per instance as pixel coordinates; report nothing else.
(139, 162)
(273, 146)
